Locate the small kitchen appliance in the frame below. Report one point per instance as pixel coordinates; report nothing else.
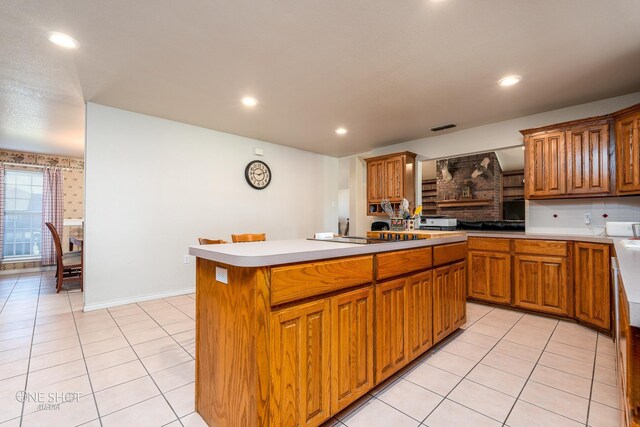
(619, 229)
(438, 223)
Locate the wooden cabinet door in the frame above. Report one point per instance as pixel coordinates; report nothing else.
(394, 178)
(592, 284)
(442, 309)
(490, 276)
(541, 283)
(588, 160)
(545, 171)
(375, 181)
(419, 303)
(300, 365)
(628, 154)
(391, 328)
(351, 347)
(458, 294)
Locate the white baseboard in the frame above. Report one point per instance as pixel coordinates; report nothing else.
(26, 270)
(139, 298)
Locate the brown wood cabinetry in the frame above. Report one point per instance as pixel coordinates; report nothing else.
(449, 296)
(351, 347)
(300, 366)
(489, 276)
(390, 177)
(627, 127)
(391, 326)
(591, 270)
(540, 283)
(568, 159)
(419, 307)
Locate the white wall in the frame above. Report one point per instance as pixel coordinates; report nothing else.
(153, 186)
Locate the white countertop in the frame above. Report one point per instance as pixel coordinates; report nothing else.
(539, 236)
(277, 252)
(629, 264)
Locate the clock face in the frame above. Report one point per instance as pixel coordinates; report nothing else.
(258, 174)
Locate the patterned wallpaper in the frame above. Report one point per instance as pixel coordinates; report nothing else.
(73, 187)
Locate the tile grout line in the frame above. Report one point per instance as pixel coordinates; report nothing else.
(4, 304)
(165, 331)
(148, 373)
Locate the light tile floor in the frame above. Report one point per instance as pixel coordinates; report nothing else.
(133, 365)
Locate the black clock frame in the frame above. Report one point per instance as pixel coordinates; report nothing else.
(246, 174)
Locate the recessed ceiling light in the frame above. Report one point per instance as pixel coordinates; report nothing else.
(341, 131)
(509, 80)
(249, 101)
(62, 39)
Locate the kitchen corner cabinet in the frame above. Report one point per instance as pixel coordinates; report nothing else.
(489, 265)
(390, 177)
(449, 298)
(352, 351)
(570, 159)
(591, 264)
(627, 125)
(301, 341)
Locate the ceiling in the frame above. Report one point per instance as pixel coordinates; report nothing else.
(388, 71)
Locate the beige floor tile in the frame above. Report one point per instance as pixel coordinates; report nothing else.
(376, 412)
(512, 365)
(532, 331)
(570, 351)
(176, 376)
(353, 407)
(78, 386)
(153, 412)
(434, 379)
(604, 416)
(605, 394)
(484, 341)
(8, 356)
(128, 311)
(554, 400)
(166, 359)
(128, 320)
(126, 394)
(105, 346)
(146, 335)
(482, 399)
(539, 322)
(572, 366)
(451, 363)
(139, 326)
(101, 335)
(10, 407)
(55, 358)
(56, 374)
(69, 414)
(527, 415)
(386, 383)
(522, 338)
(176, 328)
(605, 376)
(489, 330)
(154, 347)
(68, 332)
(452, 414)
(495, 322)
(576, 339)
(605, 345)
(193, 420)
(182, 399)
(518, 351)
(410, 398)
(496, 379)
(15, 368)
(605, 361)
(56, 345)
(562, 381)
(117, 375)
(468, 351)
(109, 359)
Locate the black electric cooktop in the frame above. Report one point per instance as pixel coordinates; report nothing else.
(356, 240)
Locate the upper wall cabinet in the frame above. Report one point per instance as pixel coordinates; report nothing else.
(628, 150)
(390, 177)
(568, 159)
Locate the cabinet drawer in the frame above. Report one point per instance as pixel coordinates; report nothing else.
(446, 254)
(401, 262)
(541, 247)
(300, 281)
(489, 244)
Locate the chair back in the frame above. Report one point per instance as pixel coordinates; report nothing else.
(57, 245)
(204, 241)
(237, 238)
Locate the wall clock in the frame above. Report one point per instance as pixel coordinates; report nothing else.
(258, 174)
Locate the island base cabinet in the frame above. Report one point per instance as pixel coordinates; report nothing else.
(592, 284)
(541, 283)
(391, 328)
(300, 365)
(420, 297)
(449, 299)
(351, 347)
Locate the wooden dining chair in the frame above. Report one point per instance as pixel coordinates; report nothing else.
(204, 241)
(238, 238)
(67, 267)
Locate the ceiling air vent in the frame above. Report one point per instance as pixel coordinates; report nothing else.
(443, 127)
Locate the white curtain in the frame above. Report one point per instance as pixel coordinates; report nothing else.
(52, 211)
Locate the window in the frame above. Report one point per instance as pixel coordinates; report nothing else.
(23, 214)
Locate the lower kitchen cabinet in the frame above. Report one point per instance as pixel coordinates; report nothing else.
(391, 327)
(300, 365)
(490, 276)
(591, 271)
(351, 347)
(540, 283)
(449, 299)
(420, 297)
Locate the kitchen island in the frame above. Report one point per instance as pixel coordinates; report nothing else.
(289, 333)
